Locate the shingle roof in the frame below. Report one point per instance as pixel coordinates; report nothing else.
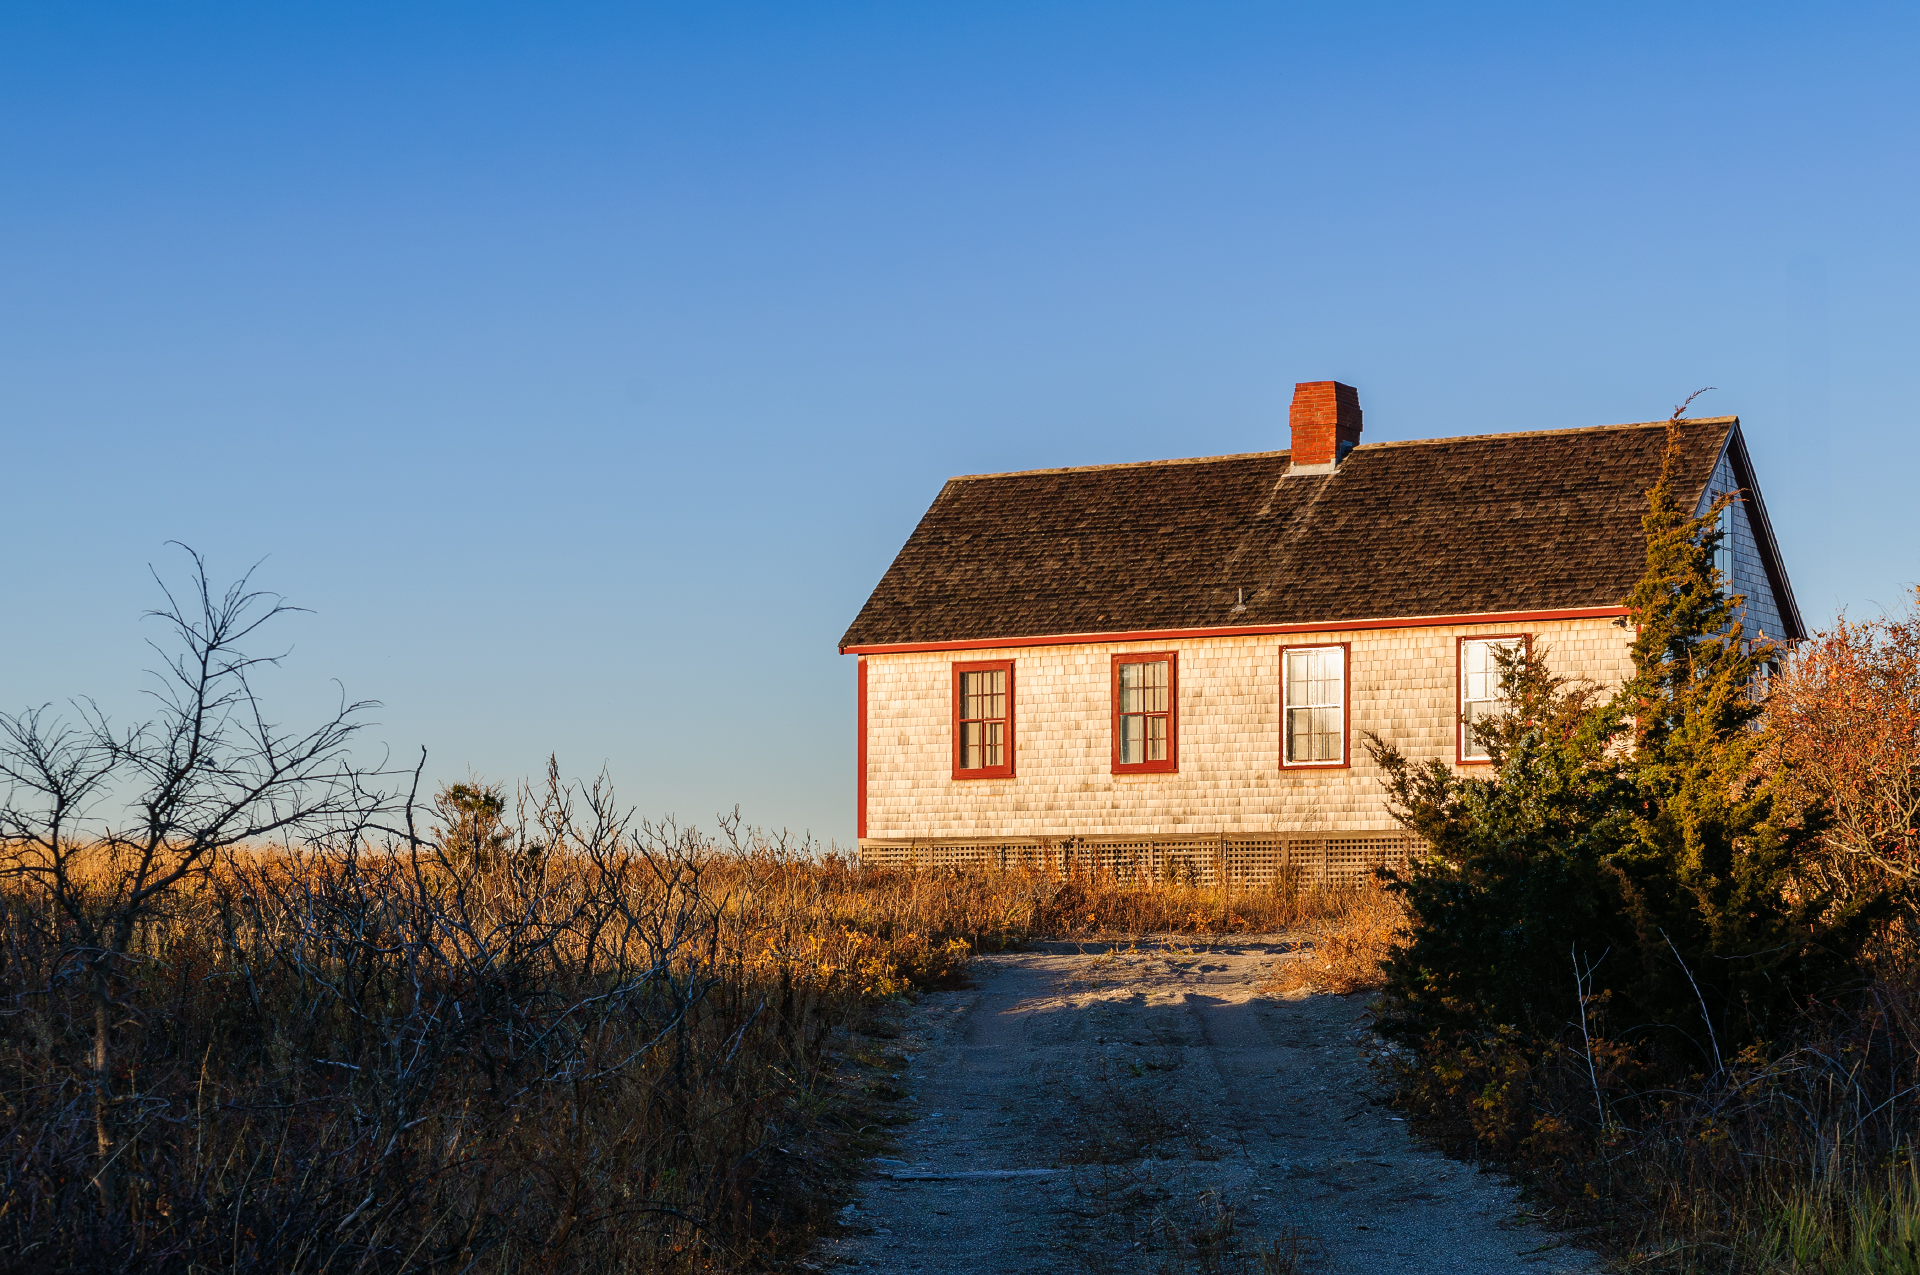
(1454, 526)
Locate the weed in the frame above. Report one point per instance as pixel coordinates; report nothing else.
(1352, 936)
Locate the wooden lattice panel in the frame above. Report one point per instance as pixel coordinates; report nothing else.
(1254, 860)
(1245, 861)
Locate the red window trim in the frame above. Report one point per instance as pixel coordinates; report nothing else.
(1460, 757)
(860, 785)
(1172, 763)
(1346, 707)
(983, 772)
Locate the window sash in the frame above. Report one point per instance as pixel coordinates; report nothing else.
(1314, 703)
(1145, 705)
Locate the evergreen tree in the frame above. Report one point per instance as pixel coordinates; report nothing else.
(1724, 929)
(1637, 838)
(1516, 876)
(473, 829)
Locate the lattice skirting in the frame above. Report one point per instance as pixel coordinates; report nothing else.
(1345, 859)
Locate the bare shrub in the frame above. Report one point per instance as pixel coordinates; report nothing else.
(1356, 932)
(617, 1055)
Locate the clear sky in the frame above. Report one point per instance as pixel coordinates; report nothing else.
(582, 367)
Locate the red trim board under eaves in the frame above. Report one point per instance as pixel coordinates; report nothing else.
(1245, 630)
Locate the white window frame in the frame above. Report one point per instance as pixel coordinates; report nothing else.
(1292, 701)
(1465, 685)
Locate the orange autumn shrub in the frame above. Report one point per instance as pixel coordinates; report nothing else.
(1845, 725)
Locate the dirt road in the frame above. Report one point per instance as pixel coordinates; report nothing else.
(1094, 1109)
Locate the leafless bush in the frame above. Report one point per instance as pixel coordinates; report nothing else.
(103, 826)
(252, 1017)
(625, 1053)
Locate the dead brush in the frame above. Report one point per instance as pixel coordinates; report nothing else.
(1091, 904)
(1354, 933)
(638, 1049)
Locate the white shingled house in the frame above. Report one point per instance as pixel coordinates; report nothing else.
(1166, 666)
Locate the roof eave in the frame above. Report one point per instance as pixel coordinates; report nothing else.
(1236, 630)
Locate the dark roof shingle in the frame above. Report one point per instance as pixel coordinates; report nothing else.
(1502, 522)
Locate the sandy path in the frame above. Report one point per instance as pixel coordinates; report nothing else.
(1090, 1110)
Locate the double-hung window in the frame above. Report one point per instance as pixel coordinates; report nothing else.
(1481, 697)
(1313, 705)
(1146, 712)
(983, 720)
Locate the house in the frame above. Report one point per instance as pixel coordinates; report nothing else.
(1168, 666)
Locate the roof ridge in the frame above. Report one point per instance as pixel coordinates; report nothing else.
(1553, 433)
(1287, 452)
(1122, 464)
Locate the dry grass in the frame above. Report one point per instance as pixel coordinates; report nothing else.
(1092, 906)
(1352, 933)
(630, 1051)
(1798, 1159)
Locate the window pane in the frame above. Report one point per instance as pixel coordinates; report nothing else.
(1299, 734)
(1315, 710)
(1326, 727)
(1477, 712)
(1475, 661)
(1143, 737)
(1477, 679)
(1143, 687)
(981, 744)
(983, 694)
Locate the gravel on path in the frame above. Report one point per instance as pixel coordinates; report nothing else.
(1144, 1107)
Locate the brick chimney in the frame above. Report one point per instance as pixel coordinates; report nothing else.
(1326, 425)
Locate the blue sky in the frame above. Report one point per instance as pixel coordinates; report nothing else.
(582, 367)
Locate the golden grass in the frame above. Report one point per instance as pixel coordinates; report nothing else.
(1354, 933)
(621, 1054)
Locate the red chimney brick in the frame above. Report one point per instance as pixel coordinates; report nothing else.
(1326, 424)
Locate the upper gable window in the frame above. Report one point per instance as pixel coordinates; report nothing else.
(1313, 711)
(1723, 552)
(983, 720)
(1480, 695)
(1146, 712)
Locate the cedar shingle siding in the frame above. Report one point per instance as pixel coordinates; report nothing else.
(1500, 523)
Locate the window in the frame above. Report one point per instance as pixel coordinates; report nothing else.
(983, 720)
(1146, 713)
(1723, 553)
(1313, 696)
(1480, 694)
